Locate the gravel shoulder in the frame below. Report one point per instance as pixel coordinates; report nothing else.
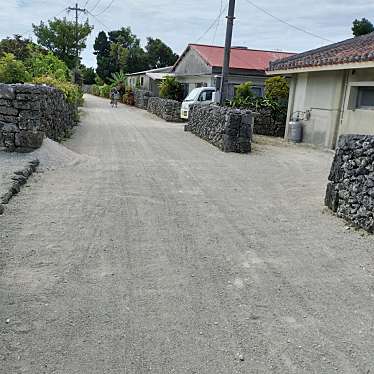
(143, 249)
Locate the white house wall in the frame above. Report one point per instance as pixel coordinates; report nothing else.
(320, 93)
(358, 121)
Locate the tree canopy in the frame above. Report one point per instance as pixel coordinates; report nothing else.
(362, 27)
(120, 50)
(159, 54)
(59, 37)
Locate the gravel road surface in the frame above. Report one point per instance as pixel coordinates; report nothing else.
(150, 251)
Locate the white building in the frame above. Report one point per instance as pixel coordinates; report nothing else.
(333, 88)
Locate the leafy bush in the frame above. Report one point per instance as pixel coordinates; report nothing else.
(119, 80)
(105, 90)
(277, 88)
(128, 98)
(96, 90)
(41, 64)
(73, 94)
(12, 70)
(244, 91)
(170, 88)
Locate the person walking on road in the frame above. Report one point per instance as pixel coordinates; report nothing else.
(114, 97)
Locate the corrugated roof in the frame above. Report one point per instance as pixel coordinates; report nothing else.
(241, 58)
(354, 50)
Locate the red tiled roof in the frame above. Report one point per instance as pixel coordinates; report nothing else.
(358, 49)
(241, 58)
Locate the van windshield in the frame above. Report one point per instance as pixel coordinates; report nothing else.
(193, 95)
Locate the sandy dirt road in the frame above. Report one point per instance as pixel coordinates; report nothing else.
(156, 253)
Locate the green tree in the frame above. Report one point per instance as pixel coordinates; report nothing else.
(12, 70)
(18, 46)
(136, 59)
(362, 27)
(88, 75)
(277, 88)
(102, 50)
(170, 88)
(119, 57)
(40, 64)
(59, 37)
(159, 55)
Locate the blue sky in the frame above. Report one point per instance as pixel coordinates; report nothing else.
(179, 22)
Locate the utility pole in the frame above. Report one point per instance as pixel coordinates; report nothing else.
(76, 9)
(226, 58)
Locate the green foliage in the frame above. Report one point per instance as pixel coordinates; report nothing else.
(170, 88)
(88, 75)
(12, 70)
(362, 27)
(41, 64)
(119, 80)
(244, 91)
(120, 50)
(128, 98)
(105, 90)
(18, 46)
(96, 90)
(73, 94)
(277, 88)
(59, 37)
(159, 55)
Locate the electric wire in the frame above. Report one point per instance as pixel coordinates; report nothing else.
(97, 19)
(213, 24)
(105, 9)
(217, 25)
(287, 23)
(96, 5)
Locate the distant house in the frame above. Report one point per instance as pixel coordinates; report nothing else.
(333, 88)
(201, 65)
(149, 79)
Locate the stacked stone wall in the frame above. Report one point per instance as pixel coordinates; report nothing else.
(141, 98)
(266, 124)
(30, 112)
(350, 192)
(169, 110)
(228, 129)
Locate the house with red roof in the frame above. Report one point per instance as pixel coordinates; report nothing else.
(331, 89)
(201, 65)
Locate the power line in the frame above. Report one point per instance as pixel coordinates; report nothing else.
(103, 11)
(87, 1)
(213, 23)
(95, 17)
(216, 29)
(95, 6)
(287, 23)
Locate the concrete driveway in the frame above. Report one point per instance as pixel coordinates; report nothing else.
(143, 249)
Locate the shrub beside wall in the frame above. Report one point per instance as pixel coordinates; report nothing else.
(228, 129)
(30, 112)
(169, 110)
(350, 192)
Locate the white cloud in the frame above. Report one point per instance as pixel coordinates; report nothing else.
(181, 22)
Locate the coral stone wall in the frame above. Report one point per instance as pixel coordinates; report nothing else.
(350, 192)
(169, 110)
(141, 98)
(30, 112)
(228, 129)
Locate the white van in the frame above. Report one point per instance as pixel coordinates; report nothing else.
(202, 95)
